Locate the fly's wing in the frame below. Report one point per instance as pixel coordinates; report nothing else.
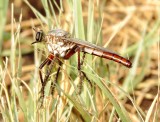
(87, 44)
(100, 51)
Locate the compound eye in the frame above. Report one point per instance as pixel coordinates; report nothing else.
(39, 36)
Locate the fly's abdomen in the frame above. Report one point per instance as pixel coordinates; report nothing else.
(109, 55)
(117, 58)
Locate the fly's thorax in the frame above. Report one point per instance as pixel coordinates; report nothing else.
(56, 42)
(58, 46)
(59, 33)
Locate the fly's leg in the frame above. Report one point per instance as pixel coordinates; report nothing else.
(80, 72)
(82, 60)
(44, 82)
(56, 77)
(84, 74)
(40, 68)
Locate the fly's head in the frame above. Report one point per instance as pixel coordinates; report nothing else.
(39, 36)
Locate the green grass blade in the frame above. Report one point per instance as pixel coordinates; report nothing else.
(78, 19)
(118, 107)
(47, 11)
(37, 13)
(149, 40)
(131, 81)
(54, 14)
(90, 25)
(3, 12)
(86, 116)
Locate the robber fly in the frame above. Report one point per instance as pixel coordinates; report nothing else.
(60, 44)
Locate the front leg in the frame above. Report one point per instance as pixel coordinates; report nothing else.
(40, 69)
(49, 61)
(56, 77)
(46, 61)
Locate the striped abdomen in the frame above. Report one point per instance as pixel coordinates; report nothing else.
(108, 55)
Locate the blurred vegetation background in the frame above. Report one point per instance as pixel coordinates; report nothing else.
(130, 28)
